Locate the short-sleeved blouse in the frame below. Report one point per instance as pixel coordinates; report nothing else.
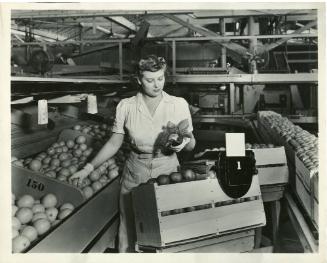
(134, 119)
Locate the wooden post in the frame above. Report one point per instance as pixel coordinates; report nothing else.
(275, 216)
(253, 41)
(231, 98)
(223, 49)
(174, 60)
(121, 60)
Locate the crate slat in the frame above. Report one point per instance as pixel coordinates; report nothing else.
(211, 221)
(194, 193)
(266, 156)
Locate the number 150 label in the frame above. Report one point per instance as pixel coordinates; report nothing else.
(35, 185)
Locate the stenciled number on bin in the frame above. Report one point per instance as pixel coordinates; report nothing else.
(35, 185)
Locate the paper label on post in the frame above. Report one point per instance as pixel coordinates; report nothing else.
(235, 144)
(42, 111)
(92, 104)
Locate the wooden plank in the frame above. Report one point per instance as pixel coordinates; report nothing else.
(214, 220)
(240, 245)
(194, 193)
(273, 175)
(309, 243)
(146, 216)
(309, 203)
(266, 156)
(195, 243)
(232, 37)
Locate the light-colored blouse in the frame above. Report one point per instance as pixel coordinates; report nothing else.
(134, 119)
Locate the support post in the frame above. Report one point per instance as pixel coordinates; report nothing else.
(223, 49)
(174, 60)
(121, 60)
(232, 98)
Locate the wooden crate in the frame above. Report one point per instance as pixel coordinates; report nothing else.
(24, 181)
(308, 201)
(222, 215)
(272, 165)
(309, 178)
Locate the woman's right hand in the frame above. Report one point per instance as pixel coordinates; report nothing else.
(80, 175)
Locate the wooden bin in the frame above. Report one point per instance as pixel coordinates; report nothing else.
(306, 186)
(24, 181)
(272, 166)
(221, 215)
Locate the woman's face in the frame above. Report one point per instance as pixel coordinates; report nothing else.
(152, 82)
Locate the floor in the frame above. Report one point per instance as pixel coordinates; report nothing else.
(288, 242)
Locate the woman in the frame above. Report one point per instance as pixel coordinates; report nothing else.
(143, 118)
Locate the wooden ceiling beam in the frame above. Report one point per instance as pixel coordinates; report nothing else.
(258, 12)
(22, 14)
(238, 50)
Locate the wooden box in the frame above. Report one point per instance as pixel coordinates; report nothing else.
(272, 165)
(308, 200)
(24, 181)
(309, 178)
(215, 214)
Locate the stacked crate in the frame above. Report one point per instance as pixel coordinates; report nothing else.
(302, 152)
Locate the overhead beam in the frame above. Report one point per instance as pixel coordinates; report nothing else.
(261, 78)
(41, 38)
(238, 50)
(283, 40)
(22, 14)
(101, 29)
(42, 33)
(170, 32)
(259, 12)
(125, 23)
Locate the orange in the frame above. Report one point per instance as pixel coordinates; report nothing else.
(20, 243)
(35, 165)
(24, 215)
(38, 208)
(80, 139)
(25, 201)
(42, 226)
(49, 200)
(14, 233)
(68, 206)
(39, 215)
(16, 224)
(87, 191)
(29, 232)
(64, 213)
(51, 213)
(96, 186)
(13, 210)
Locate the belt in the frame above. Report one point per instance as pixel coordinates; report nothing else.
(149, 155)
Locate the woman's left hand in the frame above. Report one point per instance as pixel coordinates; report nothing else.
(178, 148)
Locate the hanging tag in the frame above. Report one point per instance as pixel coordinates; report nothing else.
(235, 144)
(42, 112)
(92, 106)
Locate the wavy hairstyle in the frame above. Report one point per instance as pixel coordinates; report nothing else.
(151, 63)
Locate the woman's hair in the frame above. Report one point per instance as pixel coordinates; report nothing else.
(151, 63)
